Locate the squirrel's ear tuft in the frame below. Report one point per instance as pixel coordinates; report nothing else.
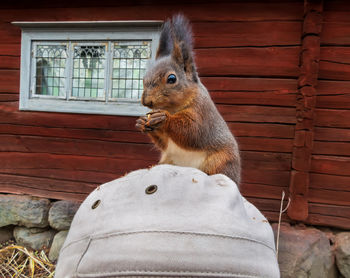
(182, 50)
(182, 30)
(165, 41)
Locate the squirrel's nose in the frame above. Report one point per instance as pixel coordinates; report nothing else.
(146, 101)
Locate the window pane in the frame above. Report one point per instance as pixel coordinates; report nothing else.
(89, 71)
(50, 61)
(129, 65)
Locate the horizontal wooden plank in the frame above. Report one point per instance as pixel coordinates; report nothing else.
(333, 165)
(10, 49)
(262, 190)
(337, 54)
(332, 118)
(333, 94)
(9, 33)
(331, 148)
(4, 97)
(329, 221)
(210, 11)
(333, 70)
(335, 11)
(268, 177)
(246, 33)
(265, 144)
(16, 160)
(52, 145)
(9, 114)
(331, 182)
(33, 191)
(284, 86)
(330, 210)
(269, 62)
(262, 130)
(340, 16)
(335, 63)
(9, 81)
(85, 176)
(330, 88)
(75, 133)
(335, 33)
(8, 4)
(266, 161)
(331, 197)
(33, 137)
(47, 184)
(274, 98)
(9, 62)
(265, 114)
(332, 134)
(341, 101)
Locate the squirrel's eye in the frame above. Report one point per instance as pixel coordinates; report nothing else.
(171, 79)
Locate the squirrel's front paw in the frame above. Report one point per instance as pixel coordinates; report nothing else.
(154, 119)
(141, 124)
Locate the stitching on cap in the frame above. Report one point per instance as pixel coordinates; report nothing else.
(170, 232)
(193, 274)
(82, 256)
(183, 233)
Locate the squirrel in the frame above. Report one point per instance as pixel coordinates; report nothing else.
(184, 122)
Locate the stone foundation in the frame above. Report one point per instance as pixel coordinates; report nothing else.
(36, 223)
(304, 251)
(310, 252)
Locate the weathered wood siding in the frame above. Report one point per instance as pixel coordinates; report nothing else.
(248, 55)
(329, 191)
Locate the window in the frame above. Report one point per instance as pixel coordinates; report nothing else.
(86, 67)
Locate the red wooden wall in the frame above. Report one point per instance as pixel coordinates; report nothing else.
(248, 55)
(329, 191)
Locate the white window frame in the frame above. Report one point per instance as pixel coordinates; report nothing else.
(90, 32)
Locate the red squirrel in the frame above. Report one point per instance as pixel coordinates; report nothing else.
(184, 122)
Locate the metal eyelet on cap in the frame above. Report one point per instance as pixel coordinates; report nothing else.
(151, 189)
(96, 204)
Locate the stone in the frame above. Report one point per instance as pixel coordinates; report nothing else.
(342, 253)
(6, 233)
(304, 253)
(37, 230)
(61, 214)
(57, 244)
(34, 239)
(23, 210)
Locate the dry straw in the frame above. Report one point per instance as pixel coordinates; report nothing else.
(18, 262)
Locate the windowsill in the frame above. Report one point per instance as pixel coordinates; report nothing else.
(84, 107)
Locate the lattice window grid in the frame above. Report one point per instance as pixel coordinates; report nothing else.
(100, 71)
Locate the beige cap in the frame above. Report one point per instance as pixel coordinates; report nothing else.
(168, 221)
